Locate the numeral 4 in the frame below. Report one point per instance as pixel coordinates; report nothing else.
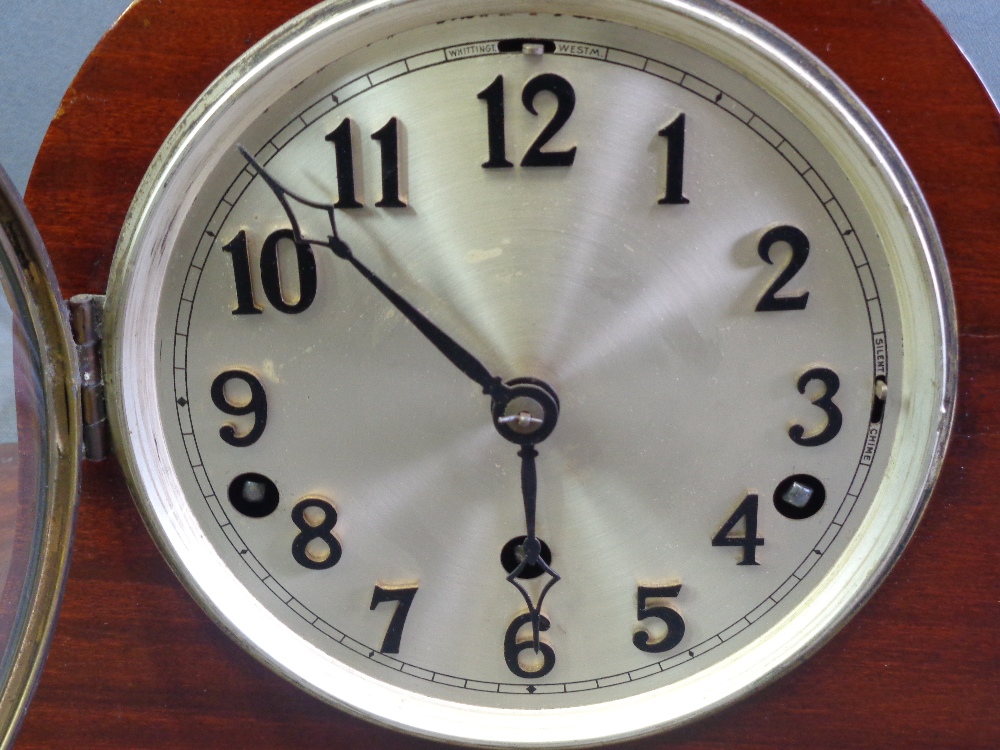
(749, 542)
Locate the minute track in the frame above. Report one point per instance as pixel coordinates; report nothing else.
(633, 674)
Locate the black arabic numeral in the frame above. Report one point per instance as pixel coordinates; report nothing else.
(565, 103)
(240, 255)
(271, 279)
(800, 252)
(749, 542)
(674, 133)
(256, 405)
(670, 617)
(343, 148)
(512, 647)
(388, 139)
(403, 595)
(834, 419)
(327, 553)
(493, 96)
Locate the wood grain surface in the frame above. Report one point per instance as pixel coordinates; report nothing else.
(136, 664)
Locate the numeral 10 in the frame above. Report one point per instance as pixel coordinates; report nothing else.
(270, 279)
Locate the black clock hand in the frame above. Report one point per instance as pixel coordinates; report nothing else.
(532, 546)
(529, 491)
(524, 410)
(459, 356)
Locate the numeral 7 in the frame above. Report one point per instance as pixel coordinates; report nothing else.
(404, 596)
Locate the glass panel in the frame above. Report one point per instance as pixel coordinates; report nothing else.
(22, 431)
(39, 455)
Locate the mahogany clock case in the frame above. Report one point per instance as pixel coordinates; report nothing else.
(135, 663)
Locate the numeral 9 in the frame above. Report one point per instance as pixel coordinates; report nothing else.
(257, 405)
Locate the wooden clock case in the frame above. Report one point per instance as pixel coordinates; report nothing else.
(135, 663)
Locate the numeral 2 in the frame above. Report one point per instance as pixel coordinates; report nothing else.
(403, 595)
(387, 137)
(800, 252)
(535, 156)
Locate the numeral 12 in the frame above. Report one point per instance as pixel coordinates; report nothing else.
(534, 157)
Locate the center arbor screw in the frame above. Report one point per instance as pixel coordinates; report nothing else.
(528, 413)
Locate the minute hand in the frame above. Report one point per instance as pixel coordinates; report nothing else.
(459, 356)
(455, 352)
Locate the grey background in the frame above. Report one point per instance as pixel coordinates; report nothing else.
(44, 42)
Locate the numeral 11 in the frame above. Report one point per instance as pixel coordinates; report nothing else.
(343, 145)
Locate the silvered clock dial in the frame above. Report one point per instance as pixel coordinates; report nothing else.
(528, 373)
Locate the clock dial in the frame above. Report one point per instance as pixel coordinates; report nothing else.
(525, 361)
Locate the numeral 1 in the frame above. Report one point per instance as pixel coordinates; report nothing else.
(240, 254)
(493, 96)
(388, 138)
(404, 596)
(343, 147)
(674, 133)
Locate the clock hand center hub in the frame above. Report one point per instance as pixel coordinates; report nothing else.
(527, 412)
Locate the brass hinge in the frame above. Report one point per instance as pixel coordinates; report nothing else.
(86, 317)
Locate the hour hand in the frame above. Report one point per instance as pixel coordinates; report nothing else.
(475, 370)
(532, 547)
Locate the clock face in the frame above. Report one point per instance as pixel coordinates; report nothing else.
(485, 364)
